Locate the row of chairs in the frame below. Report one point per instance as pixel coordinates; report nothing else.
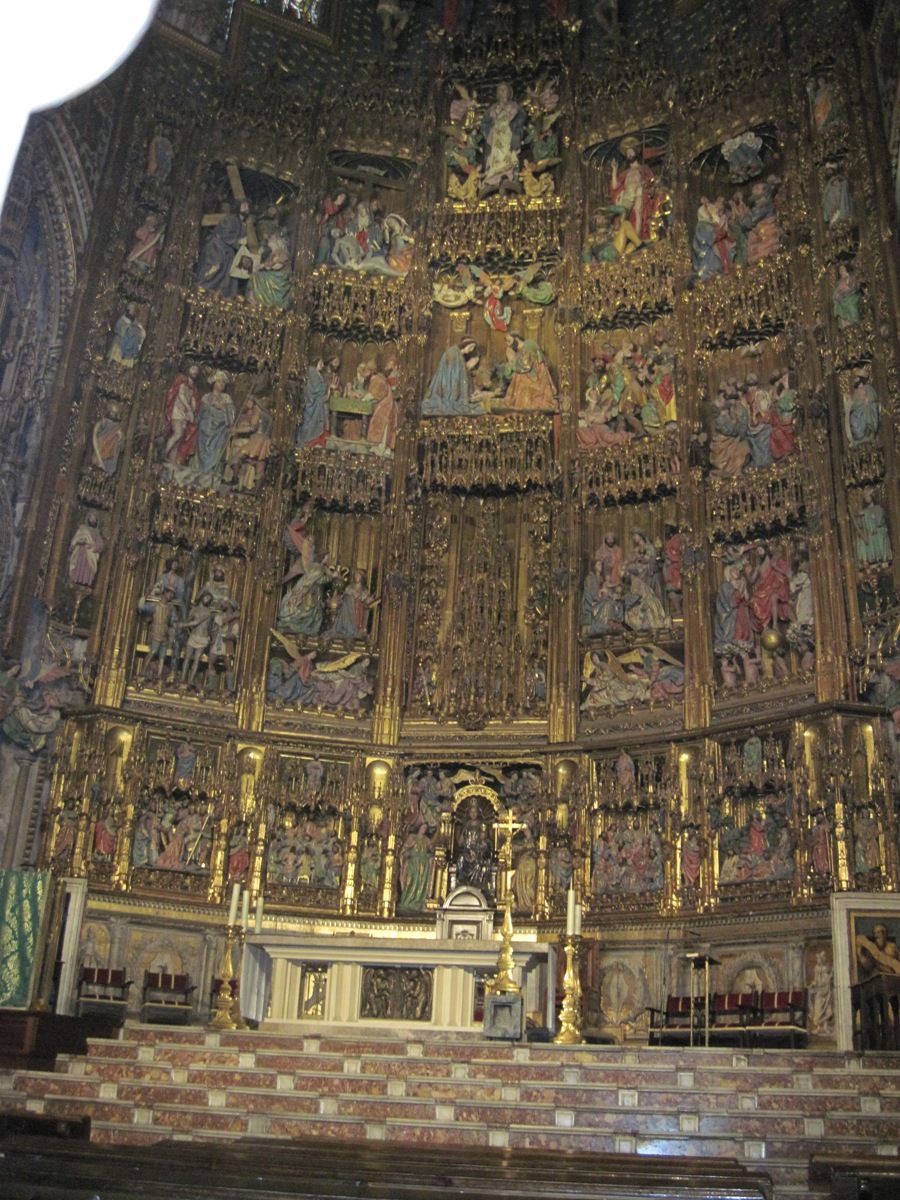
(166, 998)
(742, 1018)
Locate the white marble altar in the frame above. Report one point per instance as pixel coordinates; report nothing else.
(274, 962)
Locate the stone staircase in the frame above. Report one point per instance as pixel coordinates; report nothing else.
(769, 1109)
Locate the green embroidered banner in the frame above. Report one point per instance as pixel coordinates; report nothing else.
(22, 896)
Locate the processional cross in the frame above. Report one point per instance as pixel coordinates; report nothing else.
(510, 827)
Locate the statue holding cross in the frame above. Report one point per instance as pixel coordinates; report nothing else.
(230, 252)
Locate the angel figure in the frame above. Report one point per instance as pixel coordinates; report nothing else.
(344, 684)
(291, 682)
(394, 18)
(461, 150)
(535, 181)
(608, 684)
(542, 97)
(468, 189)
(464, 109)
(532, 288)
(496, 314)
(542, 139)
(456, 293)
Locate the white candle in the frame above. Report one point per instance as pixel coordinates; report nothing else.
(570, 913)
(245, 909)
(235, 897)
(577, 930)
(257, 924)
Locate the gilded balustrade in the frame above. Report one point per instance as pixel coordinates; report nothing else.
(344, 480)
(205, 520)
(518, 230)
(637, 289)
(771, 497)
(369, 305)
(745, 305)
(232, 331)
(507, 453)
(649, 467)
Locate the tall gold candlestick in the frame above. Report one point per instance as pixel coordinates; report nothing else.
(222, 1018)
(570, 1017)
(236, 1017)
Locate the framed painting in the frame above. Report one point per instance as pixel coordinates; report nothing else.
(866, 933)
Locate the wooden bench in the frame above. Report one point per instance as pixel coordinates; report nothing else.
(876, 1178)
(779, 1019)
(730, 1015)
(167, 999)
(671, 1026)
(316, 1167)
(103, 990)
(33, 1039)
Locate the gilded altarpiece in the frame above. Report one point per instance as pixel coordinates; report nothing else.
(477, 472)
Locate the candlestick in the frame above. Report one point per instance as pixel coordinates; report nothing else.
(257, 924)
(235, 897)
(570, 1016)
(237, 1019)
(245, 909)
(221, 1016)
(570, 913)
(577, 929)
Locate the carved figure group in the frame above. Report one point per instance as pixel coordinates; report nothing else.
(358, 235)
(629, 595)
(752, 424)
(761, 846)
(173, 832)
(764, 606)
(463, 387)
(627, 858)
(497, 291)
(505, 147)
(645, 675)
(630, 394)
(637, 207)
(206, 443)
(243, 257)
(205, 631)
(306, 850)
(735, 232)
(360, 416)
(30, 708)
(344, 684)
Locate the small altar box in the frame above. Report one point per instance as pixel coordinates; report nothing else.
(465, 914)
(503, 1016)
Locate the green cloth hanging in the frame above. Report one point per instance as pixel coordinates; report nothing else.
(22, 898)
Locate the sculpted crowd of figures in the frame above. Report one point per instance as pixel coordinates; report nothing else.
(494, 351)
(758, 828)
(191, 639)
